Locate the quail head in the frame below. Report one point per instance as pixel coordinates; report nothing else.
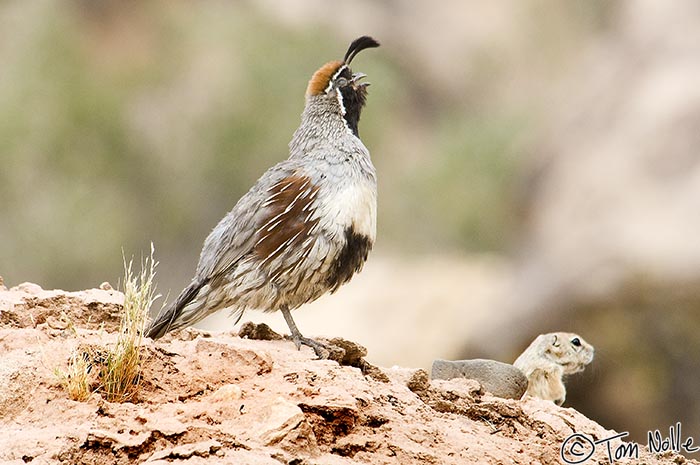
(305, 227)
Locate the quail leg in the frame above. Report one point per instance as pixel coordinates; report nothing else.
(321, 350)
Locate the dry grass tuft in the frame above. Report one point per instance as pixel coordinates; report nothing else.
(76, 380)
(122, 371)
(118, 368)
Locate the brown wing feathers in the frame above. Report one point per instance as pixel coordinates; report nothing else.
(286, 226)
(289, 221)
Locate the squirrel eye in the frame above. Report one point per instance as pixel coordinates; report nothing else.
(341, 82)
(576, 342)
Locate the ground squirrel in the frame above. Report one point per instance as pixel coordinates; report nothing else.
(548, 359)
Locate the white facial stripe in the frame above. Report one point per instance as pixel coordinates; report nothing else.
(340, 102)
(337, 73)
(340, 70)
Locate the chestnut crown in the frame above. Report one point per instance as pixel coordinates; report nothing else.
(336, 79)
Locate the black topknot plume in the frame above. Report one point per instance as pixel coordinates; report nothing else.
(357, 46)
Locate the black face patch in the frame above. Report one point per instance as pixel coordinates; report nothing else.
(345, 72)
(354, 99)
(350, 259)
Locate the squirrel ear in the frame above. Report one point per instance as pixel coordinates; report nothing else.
(556, 341)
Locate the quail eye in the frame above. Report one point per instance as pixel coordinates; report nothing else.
(576, 342)
(341, 82)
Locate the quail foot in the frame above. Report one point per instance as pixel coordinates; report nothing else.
(305, 227)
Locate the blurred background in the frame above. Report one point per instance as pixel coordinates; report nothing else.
(538, 163)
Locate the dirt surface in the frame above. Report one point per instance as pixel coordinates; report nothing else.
(227, 399)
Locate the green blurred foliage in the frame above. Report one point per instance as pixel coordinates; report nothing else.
(472, 206)
(126, 123)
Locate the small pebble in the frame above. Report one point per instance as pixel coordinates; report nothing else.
(227, 393)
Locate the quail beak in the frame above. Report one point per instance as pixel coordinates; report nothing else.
(357, 77)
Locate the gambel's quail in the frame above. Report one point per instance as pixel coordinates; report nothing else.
(305, 227)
